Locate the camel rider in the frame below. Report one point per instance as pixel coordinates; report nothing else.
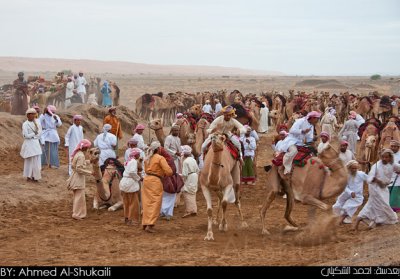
(301, 132)
(224, 124)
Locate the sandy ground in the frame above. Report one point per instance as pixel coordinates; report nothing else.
(36, 227)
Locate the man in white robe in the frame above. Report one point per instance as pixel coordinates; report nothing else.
(207, 107)
(73, 136)
(50, 138)
(377, 210)
(218, 106)
(224, 124)
(264, 111)
(345, 154)
(31, 150)
(190, 173)
(106, 142)
(81, 86)
(138, 136)
(352, 197)
(324, 141)
(69, 92)
(301, 132)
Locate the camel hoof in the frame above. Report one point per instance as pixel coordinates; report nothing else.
(244, 225)
(111, 209)
(209, 236)
(265, 232)
(223, 227)
(103, 207)
(290, 229)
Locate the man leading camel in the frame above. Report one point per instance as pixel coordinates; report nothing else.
(301, 132)
(224, 124)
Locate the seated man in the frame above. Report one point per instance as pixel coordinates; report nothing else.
(301, 132)
(224, 124)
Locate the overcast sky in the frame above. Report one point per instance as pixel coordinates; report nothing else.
(320, 37)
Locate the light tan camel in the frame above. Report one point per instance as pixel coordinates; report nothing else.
(370, 152)
(185, 130)
(390, 132)
(107, 185)
(221, 174)
(201, 135)
(309, 184)
(157, 126)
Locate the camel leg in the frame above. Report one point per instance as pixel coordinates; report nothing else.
(315, 202)
(271, 195)
(215, 220)
(223, 226)
(239, 207)
(207, 196)
(289, 204)
(116, 206)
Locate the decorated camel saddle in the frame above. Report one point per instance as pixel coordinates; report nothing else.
(191, 119)
(303, 154)
(231, 147)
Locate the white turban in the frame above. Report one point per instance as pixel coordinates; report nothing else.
(106, 129)
(186, 150)
(150, 151)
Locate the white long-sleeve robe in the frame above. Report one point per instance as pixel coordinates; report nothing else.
(345, 204)
(377, 208)
(296, 137)
(69, 92)
(263, 127)
(190, 175)
(130, 180)
(49, 126)
(172, 145)
(31, 149)
(106, 146)
(73, 136)
(140, 140)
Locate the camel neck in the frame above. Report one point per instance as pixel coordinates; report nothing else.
(216, 165)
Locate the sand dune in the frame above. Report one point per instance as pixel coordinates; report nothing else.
(118, 67)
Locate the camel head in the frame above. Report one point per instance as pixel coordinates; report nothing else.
(94, 154)
(156, 124)
(370, 142)
(274, 114)
(196, 109)
(178, 103)
(191, 138)
(329, 153)
(218, 142)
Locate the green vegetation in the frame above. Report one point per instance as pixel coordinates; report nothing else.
(375, 77)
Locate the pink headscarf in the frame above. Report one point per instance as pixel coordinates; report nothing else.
(313, 114)
(36, 107)
(132, 141)
(344, 142)
(77, 117)
(324, 134)
(140, 127)
(83, 143)
(284, 133)
(134, 152)
(51, 109)
(179, 115)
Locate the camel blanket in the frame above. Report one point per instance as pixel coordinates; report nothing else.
(301, 158)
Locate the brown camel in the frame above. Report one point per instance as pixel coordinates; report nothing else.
(221, 174)
(185, 130)
(390, 132)
(107, 185)
(370, 152)
(201, 135)
(309, 184)
(157, 126)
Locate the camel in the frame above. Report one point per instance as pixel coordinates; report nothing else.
(201, 135)
(107, 185)
(115, 93)
(390, 132)
(309, 184)
(157, 126)
(163, 108)
(221, 174)
(370, 152)
(185, 130)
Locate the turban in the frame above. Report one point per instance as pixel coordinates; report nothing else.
(324, 134)
(186, 150)
(150, 151)
(31, 110)
(133, 153)
(353, 112)
(332, 111)
(394, 143)
(112, 109)
(284, 133)
(352, 116)
(51, 109)
(179, 115)
(36, 107)
(139, 127)
(216, 100)
(70, 77)
(106, 128)
(248, 128)
(228, 110)
(313, 114)
(343, 142)
(83, 143)
(207, 101)
(21, 74)
(387, 150)
(132, 141)
(78, 117)
(175, 127)
(351, 163)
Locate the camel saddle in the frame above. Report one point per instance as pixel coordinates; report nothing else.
(231, 147)
(303, 154)
(207, 116)
(191, 119)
